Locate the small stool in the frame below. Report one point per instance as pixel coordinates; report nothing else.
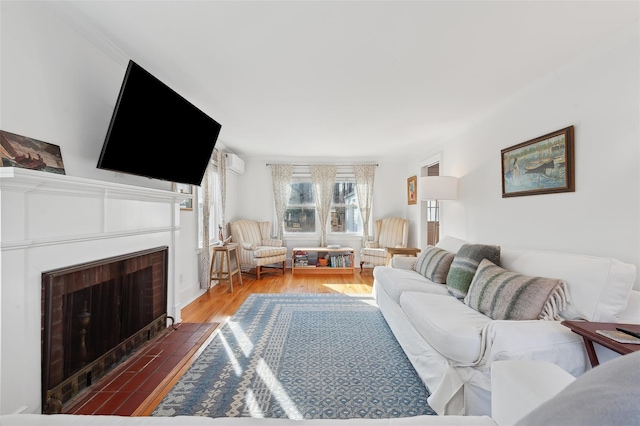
(221, 257)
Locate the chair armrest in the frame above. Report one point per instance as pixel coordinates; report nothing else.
(272, 242)
(248, 246)
(403, 262)
(371, 244)
(518, 387)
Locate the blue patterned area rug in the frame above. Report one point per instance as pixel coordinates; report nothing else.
(309, 356)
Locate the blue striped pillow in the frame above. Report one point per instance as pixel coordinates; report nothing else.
(434, 264)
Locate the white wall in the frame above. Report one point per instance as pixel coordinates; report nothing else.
(598, 94)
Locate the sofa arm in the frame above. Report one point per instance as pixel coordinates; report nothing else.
(518, 387)
(403, 262)
(533, 340)
(272, 242)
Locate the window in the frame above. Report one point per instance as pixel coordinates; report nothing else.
(300, 216)
(301, 210)
(345, 212)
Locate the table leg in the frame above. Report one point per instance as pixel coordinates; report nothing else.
(213, 272)
(593, 357)
(228, 258)
(238, 266)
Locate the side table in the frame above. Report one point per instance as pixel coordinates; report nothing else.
(221, 258)
(406, 251)
(588, 329)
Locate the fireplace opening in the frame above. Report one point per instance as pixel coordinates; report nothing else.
(95, 315)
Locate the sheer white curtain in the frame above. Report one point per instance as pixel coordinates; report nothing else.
(205, 253)
(213, 190)
(365, 175)
(323, 179)
(281, 181)
(222, 189)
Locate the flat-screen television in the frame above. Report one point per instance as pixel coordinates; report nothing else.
(156, 133)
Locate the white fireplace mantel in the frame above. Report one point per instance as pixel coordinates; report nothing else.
(50, 221)
(80, 194)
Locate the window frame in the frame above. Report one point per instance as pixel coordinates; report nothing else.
(341, 177)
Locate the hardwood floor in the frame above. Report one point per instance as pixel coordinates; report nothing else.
(218, 304)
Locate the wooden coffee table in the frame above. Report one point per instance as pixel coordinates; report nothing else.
(588, 329)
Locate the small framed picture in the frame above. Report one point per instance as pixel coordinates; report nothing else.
(412, 188)
(184, 188)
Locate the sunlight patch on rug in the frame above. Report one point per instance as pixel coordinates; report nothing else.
(308, 356)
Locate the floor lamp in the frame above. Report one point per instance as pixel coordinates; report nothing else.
(438, 188)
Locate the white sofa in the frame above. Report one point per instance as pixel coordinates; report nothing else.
(452, 346)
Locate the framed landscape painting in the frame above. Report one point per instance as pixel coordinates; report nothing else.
(544, 165)
(28, 153)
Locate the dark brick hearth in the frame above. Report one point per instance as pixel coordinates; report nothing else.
(96, 314)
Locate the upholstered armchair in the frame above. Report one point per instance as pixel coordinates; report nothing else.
(390, 232)
(256, 247)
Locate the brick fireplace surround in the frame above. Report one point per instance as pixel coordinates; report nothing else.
(50, 221)
(95, 315)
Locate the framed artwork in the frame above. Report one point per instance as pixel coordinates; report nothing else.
(544, 165)
(28, 153)
(184, 188)
(412, 188)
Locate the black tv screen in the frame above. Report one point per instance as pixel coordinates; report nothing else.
(156, 133)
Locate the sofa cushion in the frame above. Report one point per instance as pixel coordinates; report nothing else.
(451, 327)
(464, 266)
(434, 264)
(269, 251)
(507, 295)
(396, 281)
(598, 287)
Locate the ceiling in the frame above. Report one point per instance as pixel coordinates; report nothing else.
(336, 80)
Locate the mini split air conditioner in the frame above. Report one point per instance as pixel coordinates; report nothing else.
(235, 164)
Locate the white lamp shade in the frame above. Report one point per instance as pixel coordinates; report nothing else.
(438, 188)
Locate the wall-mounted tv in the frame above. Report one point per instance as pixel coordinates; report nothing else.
(156, 133)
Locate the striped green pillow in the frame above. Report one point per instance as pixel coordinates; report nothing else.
(434, 264)
(464, 266)
(506, 295)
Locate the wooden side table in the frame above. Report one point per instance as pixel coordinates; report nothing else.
(221, 258)
(406, 251)
(588, 329)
